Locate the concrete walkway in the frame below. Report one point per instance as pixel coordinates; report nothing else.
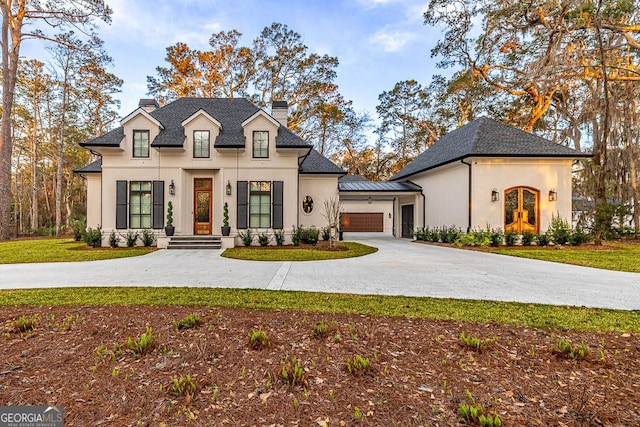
(400, 267)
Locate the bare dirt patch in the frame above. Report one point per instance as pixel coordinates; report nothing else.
(419, 370)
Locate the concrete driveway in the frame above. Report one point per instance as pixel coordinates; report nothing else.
(400, 267)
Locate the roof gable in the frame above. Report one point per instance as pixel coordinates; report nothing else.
(260, 113)
(140, 112)
(204, 114)
(485, 137)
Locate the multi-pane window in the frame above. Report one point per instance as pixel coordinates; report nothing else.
(260, 144)
(140, 143)
(201, 144)
(140, 204)
(260, 204)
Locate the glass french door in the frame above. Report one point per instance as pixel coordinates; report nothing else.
(521, 210)
(202, 205)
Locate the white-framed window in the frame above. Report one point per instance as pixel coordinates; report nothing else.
(141, 143)
(260, 144)
(201, 144)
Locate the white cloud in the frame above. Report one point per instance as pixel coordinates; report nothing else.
(391, 41)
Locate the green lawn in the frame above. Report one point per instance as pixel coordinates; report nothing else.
(298, 254)
(613, 256)
(58, 250)
(529, 315)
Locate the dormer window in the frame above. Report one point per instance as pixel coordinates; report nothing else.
(201, 144)
(141, 143)
(260, 144)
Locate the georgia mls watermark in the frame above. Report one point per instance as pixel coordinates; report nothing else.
(31, 416)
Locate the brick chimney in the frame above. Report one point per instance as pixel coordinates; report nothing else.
(280, 112)
(148, 104)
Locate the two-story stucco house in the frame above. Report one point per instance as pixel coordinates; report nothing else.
(200, 153)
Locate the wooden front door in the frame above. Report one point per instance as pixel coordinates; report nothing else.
(202, 205)
(521, 210)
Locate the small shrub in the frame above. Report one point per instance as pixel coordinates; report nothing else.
(325, 233)
(278, 236)
(93, 237)
(258, 339)
(474, 343)
(543, 239)
(190, 321)
(578, 237)
(296, 235)
(246, 237)
(142, 344)
(510, 238)
(311, 236)
(496, 238)
(183, 386)
(264, 239)
(79, 227)
(480, 238)
(114, 240)
(564, 348)
(559, 230)
(23, 324)
(291, 372)
(131, 238)
(528, 238)
(147, 237)
(358, 366)
(420, 234)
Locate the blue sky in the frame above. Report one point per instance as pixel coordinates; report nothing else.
(378, 42)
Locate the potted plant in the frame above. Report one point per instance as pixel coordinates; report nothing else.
(226, 230)
(169, 229)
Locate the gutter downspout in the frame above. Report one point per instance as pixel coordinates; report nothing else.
(469, 214)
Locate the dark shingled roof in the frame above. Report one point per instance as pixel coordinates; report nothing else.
(317, 163)
(485, 137)
(230, 112)
(377, 186)
(109, 139)
(93, 167)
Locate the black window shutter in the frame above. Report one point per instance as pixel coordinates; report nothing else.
(242, 193)
(121, 204)
(158, 204)
(277, 198)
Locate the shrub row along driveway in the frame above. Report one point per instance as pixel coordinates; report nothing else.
(400, 267)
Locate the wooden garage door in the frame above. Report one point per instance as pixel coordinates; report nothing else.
(362, 222)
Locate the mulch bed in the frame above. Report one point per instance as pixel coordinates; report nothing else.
(321, 245)
(420, 371)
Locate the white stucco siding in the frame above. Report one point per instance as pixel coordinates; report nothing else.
(543, 174)
(446, 193)
(94, 195)
(320, 188)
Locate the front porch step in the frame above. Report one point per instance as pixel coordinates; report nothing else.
(194, 242)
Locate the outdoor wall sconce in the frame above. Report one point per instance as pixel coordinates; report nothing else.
(369, 200)
(495, 196)
(228, 188)
(553, 195)
(389, 215)
(172, 188)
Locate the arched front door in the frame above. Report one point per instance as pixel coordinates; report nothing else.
(522, 210)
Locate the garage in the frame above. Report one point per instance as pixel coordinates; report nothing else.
(363, 222)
